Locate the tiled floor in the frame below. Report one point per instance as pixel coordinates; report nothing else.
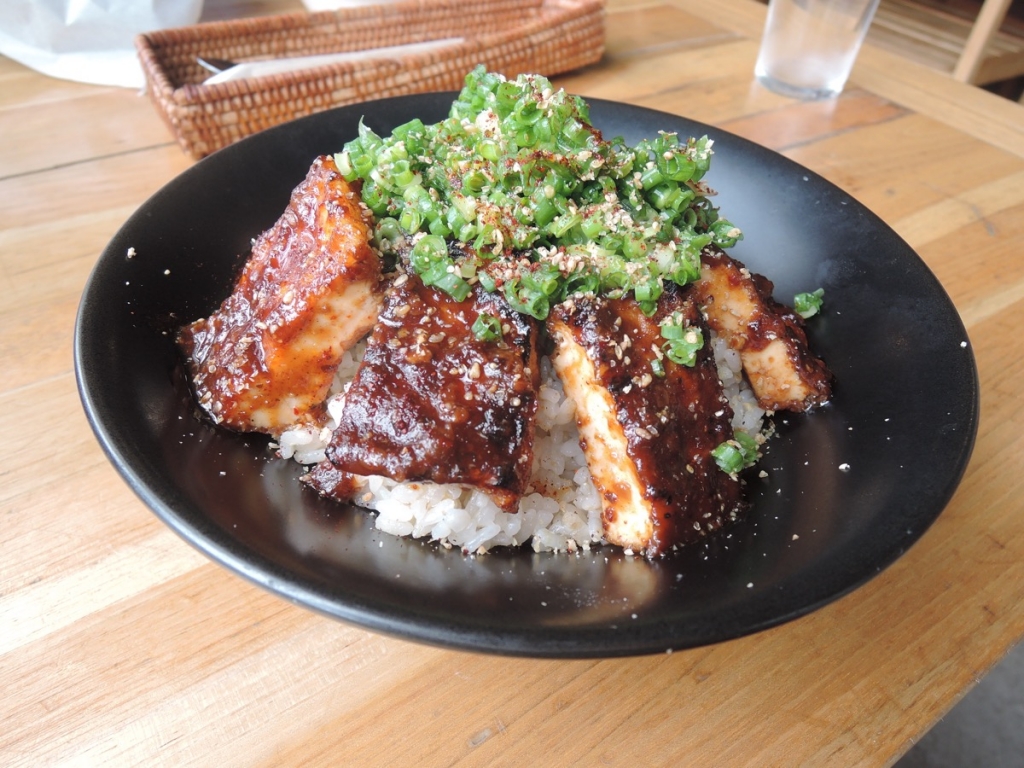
(985, 730)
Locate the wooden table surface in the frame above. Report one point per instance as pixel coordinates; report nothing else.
(121, 645)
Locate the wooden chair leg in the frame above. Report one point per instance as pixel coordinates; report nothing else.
(990, 17)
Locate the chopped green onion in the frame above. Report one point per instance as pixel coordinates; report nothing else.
(431, 261)
(682, 341)
(487, 282)
(410, 220)
(808, 304)
(736, 454)
(387, 229)
(517, 171)
(487, 327)
(531, 294)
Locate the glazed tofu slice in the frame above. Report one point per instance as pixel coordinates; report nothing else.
(770, 338)
(330, 482)
(432, 402)
(647, 437)
(311, 288)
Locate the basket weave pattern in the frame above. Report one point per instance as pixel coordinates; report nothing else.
(508, 36)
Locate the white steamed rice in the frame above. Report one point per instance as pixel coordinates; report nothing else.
(561, 510)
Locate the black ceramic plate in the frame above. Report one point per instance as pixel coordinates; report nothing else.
(848, 489)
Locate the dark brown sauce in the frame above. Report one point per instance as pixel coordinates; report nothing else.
(255, 351)
(768, 321)
(672, 422)
(432, 402)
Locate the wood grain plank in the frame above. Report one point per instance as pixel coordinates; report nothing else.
(51, 528)
(656, 28)
(106, 183)
(37, 340)
(796, 123)
(930, 93)
(981, 264)
(495, 699)
(161, 645)
(627, 80)
(960, 210)
(26, 249)
(21, 87)
(864, 163)
(96, 124)
(50, 605)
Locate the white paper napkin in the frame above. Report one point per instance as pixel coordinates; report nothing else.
(90, 41)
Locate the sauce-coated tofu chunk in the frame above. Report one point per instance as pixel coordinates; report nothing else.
(647, 438)
(311, 288)
(432, 402)
(770, 338)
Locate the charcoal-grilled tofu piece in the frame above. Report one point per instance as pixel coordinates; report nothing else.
(647, 438)
(330, 482)
(769, 336)
(432, 402)
(310, 289)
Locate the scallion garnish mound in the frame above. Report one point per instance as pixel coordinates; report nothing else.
(550, 208)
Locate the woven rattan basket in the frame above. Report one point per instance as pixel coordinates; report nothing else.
(507, 36)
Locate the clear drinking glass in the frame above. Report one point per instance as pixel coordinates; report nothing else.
(809, 46)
